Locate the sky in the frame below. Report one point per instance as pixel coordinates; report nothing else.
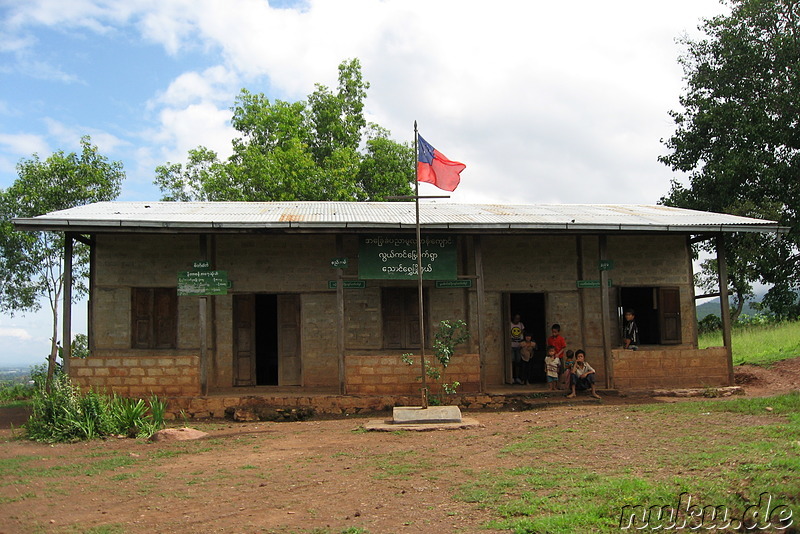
(545, 102)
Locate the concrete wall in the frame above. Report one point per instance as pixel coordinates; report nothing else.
(299, 264)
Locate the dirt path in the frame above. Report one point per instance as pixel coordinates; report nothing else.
(323, 476)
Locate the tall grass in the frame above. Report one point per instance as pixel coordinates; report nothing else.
(759, 345)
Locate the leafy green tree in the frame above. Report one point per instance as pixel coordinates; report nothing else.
(738, 137)
(318, 149)
(32, 263)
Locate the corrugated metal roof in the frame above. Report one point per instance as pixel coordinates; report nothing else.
(239, 216)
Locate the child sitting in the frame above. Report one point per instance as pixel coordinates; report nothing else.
(582, 376)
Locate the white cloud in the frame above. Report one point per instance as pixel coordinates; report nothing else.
(19, 334)
(24, 144)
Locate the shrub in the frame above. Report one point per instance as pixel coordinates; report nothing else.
(64, 414)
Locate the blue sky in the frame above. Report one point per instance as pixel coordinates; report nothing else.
(544, 101)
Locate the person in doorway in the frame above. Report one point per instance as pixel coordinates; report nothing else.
(582, 376)
(557, 340)
(526, 349)
(630, 331)
(517, 329)
(551, 364)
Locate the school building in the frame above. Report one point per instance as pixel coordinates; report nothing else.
(314, 304)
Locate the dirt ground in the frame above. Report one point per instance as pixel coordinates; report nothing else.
(320, 476)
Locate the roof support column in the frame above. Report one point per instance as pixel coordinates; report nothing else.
(340, 317)
(724, 303)
(66, 335)
(476, 241)
(605, 314)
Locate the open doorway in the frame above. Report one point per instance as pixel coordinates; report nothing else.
(657, 311)
(266, 342)
(531, 309)
(266, 322)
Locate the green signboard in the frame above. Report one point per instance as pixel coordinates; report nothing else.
(199, 283)
(394, 257)
(447, 284)
(606, 265)
(339, 263)
(590, 283)
(348, 284)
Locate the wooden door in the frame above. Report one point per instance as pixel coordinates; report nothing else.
(669, 310)
(290, 368)
(244, 340)
(401, 318)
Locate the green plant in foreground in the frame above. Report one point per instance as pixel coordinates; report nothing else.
(64, 414)
(446, 338)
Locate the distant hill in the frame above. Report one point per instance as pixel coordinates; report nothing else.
(712, 308)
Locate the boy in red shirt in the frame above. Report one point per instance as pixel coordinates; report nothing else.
(560, 344)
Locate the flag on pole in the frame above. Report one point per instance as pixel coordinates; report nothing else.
(434, 168)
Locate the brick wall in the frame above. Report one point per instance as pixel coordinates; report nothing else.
(138, 376)
(387, 374)
(670, 368)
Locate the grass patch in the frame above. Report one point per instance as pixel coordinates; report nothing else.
(727, 464)
(759, 345)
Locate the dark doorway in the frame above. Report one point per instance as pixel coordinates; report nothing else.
(266, 340)
(531, 309)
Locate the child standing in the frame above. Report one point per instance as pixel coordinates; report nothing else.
(526, 349)
(564, 379)
(557, 341)
(517, 328)
(551, 367)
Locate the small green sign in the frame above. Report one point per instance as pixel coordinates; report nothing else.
(200, 283)
(348, 284)
(606, 265)
(590, 283)
(202, 265)
(339, 263)
(447, 284)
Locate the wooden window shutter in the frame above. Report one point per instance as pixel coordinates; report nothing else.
(141, 317)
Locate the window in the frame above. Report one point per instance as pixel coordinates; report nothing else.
(401, 318)
(154, 313)
(658, 313)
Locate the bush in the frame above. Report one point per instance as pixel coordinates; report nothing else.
(63, 414)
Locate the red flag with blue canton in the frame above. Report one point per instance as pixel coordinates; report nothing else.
(434, 168)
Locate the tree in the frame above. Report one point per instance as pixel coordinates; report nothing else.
(738, 137)
(319, 149)
(31, 263)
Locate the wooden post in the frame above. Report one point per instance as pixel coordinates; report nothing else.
(203, 330)
(481, 308)
(66, 335)
(203, 345)
(722, 268)
(340, 317)
(605, 300)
